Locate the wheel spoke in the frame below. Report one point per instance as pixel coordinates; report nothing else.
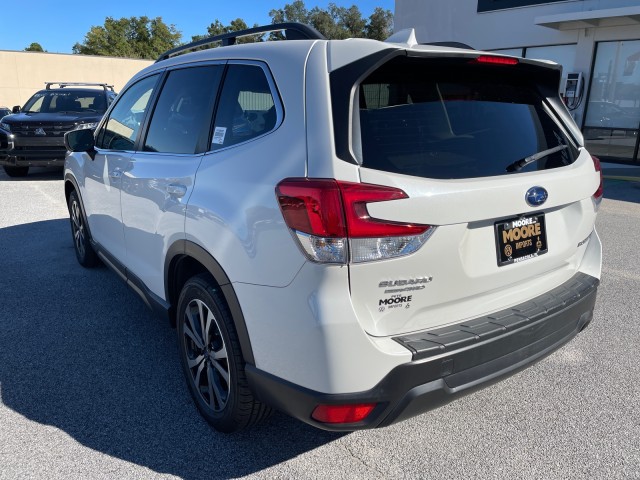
(201, 315)
(195, 361)
(191, 332)
(221, 370)
(207, 326)
(220, 354)
(213, 386)
(74, 214)
(196, 379)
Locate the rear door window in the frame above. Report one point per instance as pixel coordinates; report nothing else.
(247, 109)
(182, 116)
(453, 119)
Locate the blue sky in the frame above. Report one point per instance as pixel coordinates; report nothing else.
(57, 26)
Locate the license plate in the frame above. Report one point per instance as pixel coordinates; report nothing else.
(521, 238)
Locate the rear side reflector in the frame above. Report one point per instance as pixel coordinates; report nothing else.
(597, 196)
(495, 60)
(330, 220)
(342, 413)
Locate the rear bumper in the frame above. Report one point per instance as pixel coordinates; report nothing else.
(451, 362)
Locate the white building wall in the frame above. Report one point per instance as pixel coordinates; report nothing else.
(460, 21)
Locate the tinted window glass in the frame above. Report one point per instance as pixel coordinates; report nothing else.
(183, 112)
(246, 110)
(121, 129)
(613, 97)
(66, 101)
(453, 120)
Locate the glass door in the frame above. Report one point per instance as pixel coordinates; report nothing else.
(612, 116)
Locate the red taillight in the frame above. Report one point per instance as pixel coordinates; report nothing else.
(312, 206)
(360, 224)
(332, 224)
(598, 193)
(495, 60)
(319, 207)
(342, 413)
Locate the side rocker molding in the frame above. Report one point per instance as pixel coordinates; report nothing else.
(183, 249)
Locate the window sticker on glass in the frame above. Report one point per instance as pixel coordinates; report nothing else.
(218, 135)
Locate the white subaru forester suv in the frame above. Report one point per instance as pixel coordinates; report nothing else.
(352, 231)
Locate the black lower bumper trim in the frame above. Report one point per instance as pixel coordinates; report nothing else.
(32, 159)
(458, 368)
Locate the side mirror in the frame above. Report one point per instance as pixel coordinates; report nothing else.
(80, 141)
(16, 109)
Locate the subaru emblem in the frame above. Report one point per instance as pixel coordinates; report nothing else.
(536, 196)
(40, 131)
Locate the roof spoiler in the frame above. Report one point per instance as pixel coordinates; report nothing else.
(292, 31)
(408, 37)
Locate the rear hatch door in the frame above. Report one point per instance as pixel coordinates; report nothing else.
(488, 160)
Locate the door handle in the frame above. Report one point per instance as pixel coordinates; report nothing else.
(176, 190)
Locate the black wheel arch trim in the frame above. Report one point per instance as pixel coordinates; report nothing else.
(189, 249)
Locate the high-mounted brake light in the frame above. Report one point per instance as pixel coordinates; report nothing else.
(342, 413)
(597, 195)
(496, 60)
(332, 224)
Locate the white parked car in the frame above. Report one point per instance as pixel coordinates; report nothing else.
(350, 231)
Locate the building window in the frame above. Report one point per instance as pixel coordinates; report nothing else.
(612, 114)
(514, 52)
(564, 55)
(491, 5)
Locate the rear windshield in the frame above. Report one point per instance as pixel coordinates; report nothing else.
(456, 119)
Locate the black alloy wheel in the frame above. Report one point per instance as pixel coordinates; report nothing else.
(212, 359)
(84, 251)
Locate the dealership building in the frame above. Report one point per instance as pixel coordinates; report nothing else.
(24, 73)
(597, 42)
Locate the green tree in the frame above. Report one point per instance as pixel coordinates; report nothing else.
(380, 26)
(134, 37)
(34, 47)
(218, 28)
(336, 22)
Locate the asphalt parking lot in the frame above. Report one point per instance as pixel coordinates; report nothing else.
(91, 387)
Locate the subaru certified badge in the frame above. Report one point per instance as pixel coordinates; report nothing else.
(536, 196)
(40, 131)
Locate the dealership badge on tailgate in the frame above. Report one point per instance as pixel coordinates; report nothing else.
(521, 238)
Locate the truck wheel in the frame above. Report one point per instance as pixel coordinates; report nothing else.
(16, 171)
(212, 360)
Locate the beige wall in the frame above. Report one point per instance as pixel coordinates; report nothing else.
(24, 73)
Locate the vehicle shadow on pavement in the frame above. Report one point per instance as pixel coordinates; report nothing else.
(623, 190)
(35, 173)
(81, 352)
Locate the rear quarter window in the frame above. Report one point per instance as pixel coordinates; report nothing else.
(455, 119)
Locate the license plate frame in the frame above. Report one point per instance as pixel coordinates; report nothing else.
(520, 238)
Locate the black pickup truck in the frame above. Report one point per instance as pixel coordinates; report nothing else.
(33, 136)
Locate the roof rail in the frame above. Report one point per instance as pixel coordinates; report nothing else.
(292, 31)
(79, 84)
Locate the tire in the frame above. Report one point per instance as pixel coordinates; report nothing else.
(85, 253)
(16, 171)
(212, 362)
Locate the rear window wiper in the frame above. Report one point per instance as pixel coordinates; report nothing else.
(520, 164)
